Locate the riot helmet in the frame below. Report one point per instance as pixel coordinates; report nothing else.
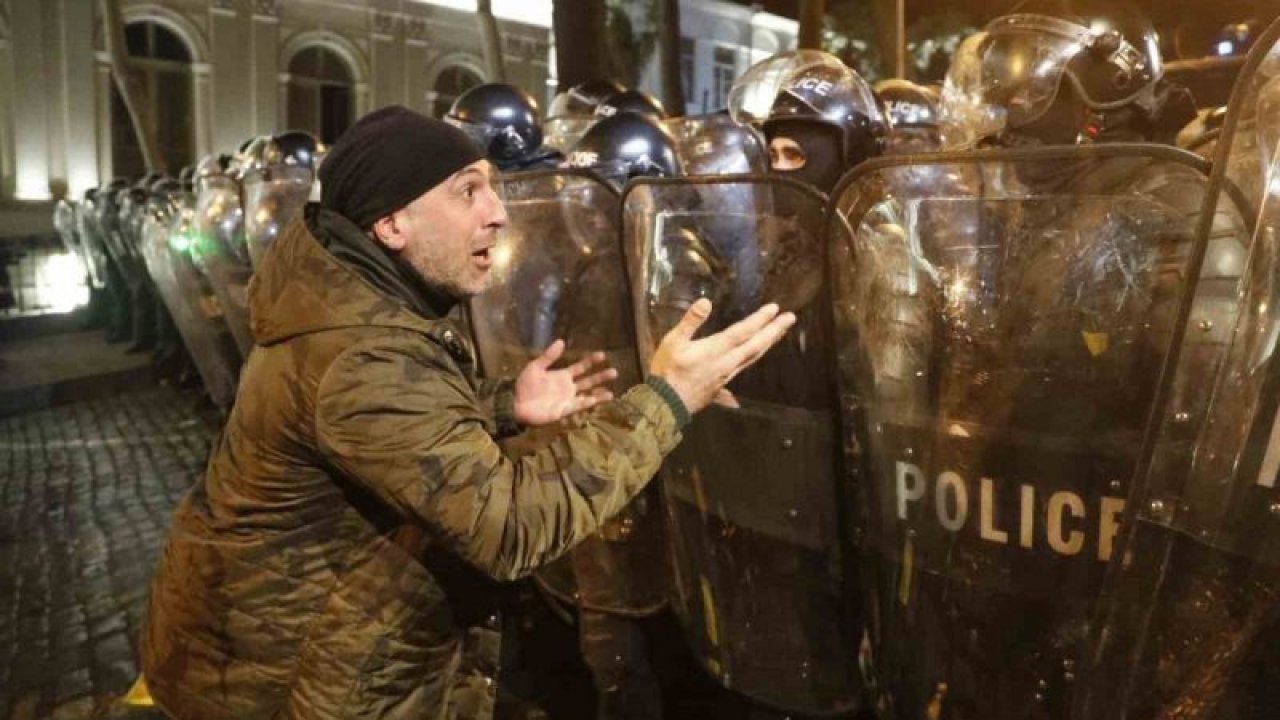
(292, 148)
(912, 112)
(253, 157)
(823, 121)
(241, 157)
(627, 145)
(636, 101)
(186, 178)
(210, 168)
(162, 197)
(1057, 72)
(502, 119)
(717, 145)
(573, 111)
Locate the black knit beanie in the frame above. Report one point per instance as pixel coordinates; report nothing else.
(387, 159)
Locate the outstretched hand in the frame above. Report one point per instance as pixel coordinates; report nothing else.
(698, 370)
(545, 396)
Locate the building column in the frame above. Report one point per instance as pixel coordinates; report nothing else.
(231, 82)
(30, 116)
(201, 107)
(387, 59)
(102, 93)
(282, 101)
(81, 133)
(265, 40)
(7, 98)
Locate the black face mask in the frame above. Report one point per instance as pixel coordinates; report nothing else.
(823, 150)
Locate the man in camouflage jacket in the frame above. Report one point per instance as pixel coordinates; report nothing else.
(336, 559)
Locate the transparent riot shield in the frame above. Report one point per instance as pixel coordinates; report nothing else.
(167, 233)
(717, 145)
(562, 133)
(221, 253)
(113, 236)
(67, 222)
(273, 198)
(559, 273)
(1000, 343)
(94, 246)
(762, 586)
(1189, 626)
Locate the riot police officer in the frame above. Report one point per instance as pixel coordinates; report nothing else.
(911, 111)
(823, 121)
(98, 221)
(503, 119)
(1062, 72)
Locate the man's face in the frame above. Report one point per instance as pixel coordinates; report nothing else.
(786, 154)
(448, 233)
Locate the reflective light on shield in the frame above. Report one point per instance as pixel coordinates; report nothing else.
(60, 283)
(501, 255)
(180, 242)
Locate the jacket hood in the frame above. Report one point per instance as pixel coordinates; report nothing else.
(323, 273)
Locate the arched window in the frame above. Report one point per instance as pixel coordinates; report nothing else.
(450, 83)
(321, 93)
(161, 63)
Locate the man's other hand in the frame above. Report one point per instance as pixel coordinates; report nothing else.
(699, 369)
(545, 396)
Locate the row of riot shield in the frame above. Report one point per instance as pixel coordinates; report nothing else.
(166, 236)
(1015, 459)
(240, 211)
(192, 248)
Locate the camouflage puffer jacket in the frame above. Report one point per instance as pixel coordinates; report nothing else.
(337, 558)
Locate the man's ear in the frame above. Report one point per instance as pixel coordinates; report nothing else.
(388, 233)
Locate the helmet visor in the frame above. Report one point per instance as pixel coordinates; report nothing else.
(1022, 62)
(481, 135)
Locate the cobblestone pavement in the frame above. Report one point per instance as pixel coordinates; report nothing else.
(86, 491)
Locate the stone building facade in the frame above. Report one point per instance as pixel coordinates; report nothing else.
(218, 72)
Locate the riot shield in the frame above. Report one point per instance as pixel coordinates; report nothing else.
(562, 133)
(66, 220)
(273, 198)
(762, 587)
(717, 145)
(1000, 344)
(221, 253)
(92, 242)
(113, 237)
(1189, 626)
(559, 273)
(167, 232)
